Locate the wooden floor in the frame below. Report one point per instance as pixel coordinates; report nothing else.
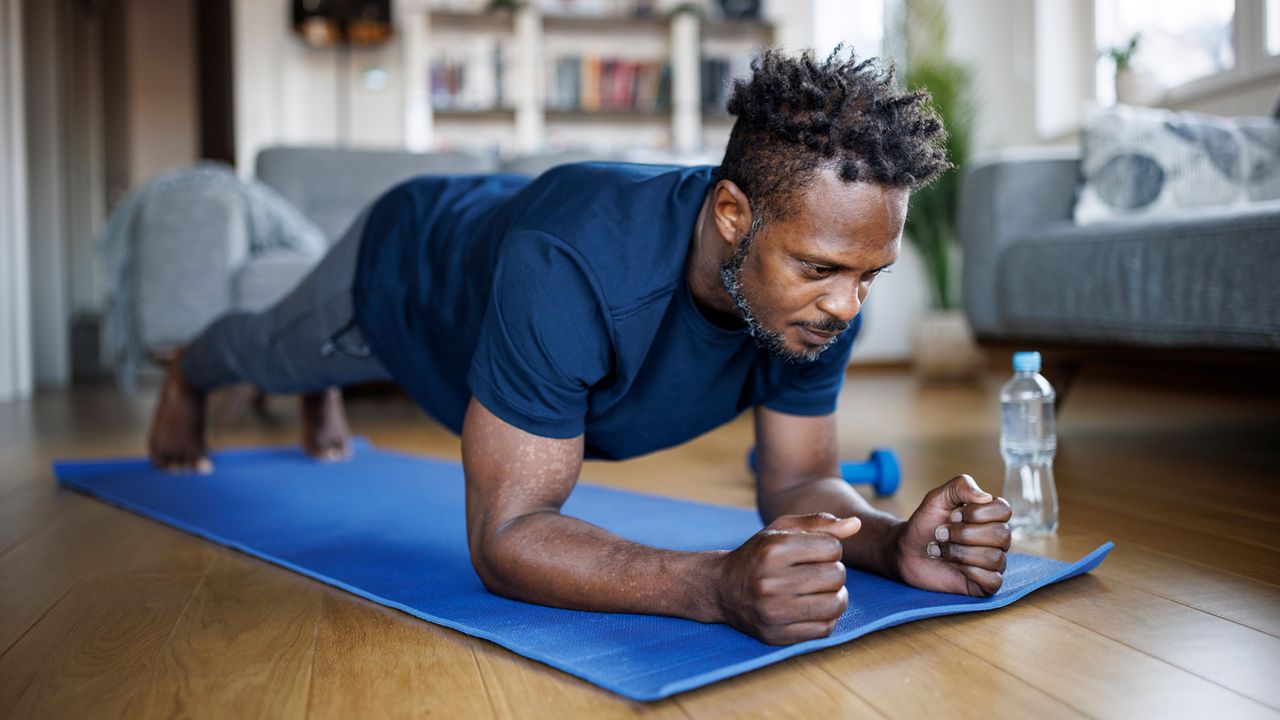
(103, 613)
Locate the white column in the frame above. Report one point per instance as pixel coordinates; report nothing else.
(686, 91)
(414, 25)
(530, 117)
(15, 317)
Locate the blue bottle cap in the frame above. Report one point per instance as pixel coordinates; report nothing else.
(1026, 362)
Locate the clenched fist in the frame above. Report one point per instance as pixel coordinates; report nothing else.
(957, 541)
(786, 584)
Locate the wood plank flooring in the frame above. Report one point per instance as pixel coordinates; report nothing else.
(106, 614)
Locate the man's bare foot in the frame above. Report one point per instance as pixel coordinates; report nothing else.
(176, 441)
(325, 435)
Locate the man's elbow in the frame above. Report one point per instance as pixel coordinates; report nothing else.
(493, 563)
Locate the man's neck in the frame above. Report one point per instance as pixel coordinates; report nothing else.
(706, 254)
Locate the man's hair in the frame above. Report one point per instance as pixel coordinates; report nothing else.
(796, 115)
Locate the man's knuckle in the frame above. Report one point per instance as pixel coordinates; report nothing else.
(771, 636)
(808, 631)
(832, 547)
(772, 549)
(761, 585)
(836, 574)
(771, 613)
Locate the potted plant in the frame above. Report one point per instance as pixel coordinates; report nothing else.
(944, 345)
(1134, 85)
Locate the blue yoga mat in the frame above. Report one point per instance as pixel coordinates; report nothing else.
(390, 527)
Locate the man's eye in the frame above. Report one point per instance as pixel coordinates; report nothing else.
(822, 270)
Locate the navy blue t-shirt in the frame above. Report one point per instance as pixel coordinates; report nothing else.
(561, 303)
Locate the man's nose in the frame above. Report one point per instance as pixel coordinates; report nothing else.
(842, 304)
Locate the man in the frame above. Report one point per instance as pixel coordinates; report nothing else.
(610, 310)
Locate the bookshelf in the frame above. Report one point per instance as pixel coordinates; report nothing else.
(520, 82)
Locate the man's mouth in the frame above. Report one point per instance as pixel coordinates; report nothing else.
(816, 337)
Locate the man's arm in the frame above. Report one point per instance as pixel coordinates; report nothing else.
(783, 585)
(956, 541)
(523, 547)
(798, 471)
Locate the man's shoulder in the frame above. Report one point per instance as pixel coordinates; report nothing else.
(629, 224)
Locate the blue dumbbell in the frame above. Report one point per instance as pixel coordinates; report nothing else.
(881, 470)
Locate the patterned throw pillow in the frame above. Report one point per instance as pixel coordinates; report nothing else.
(1148, 163)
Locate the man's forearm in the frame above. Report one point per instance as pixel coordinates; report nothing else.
(551, 559)
(871, 548)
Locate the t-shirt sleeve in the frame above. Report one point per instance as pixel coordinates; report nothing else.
(813, 387)
(545, 338)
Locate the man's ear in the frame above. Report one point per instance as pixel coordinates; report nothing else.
(731, 211)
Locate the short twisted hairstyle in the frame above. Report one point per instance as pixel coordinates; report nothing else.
(796, 114)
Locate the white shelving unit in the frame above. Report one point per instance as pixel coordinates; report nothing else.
(521, 123)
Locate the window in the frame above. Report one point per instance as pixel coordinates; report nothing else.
(1179, 41)
(1188, 47)
(1273, 27)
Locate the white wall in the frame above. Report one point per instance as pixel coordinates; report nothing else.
(152, 105)
(162, 85)
(286, 92)
(793, 21)
(994, 37)
(15, 320)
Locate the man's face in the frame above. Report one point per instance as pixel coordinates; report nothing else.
(799, 282)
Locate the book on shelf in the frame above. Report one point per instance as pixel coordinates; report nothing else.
(718, 74)
(474, 76)
(591, 83)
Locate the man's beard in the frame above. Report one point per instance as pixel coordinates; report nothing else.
(772, 342)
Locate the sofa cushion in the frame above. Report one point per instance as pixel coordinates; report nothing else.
(1147, 163)
(1205, 279)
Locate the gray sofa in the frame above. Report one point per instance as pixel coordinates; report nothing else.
(1206, 279)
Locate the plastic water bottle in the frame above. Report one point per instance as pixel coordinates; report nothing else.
(1028, 441)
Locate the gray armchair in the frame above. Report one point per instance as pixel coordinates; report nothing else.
(193, 255)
